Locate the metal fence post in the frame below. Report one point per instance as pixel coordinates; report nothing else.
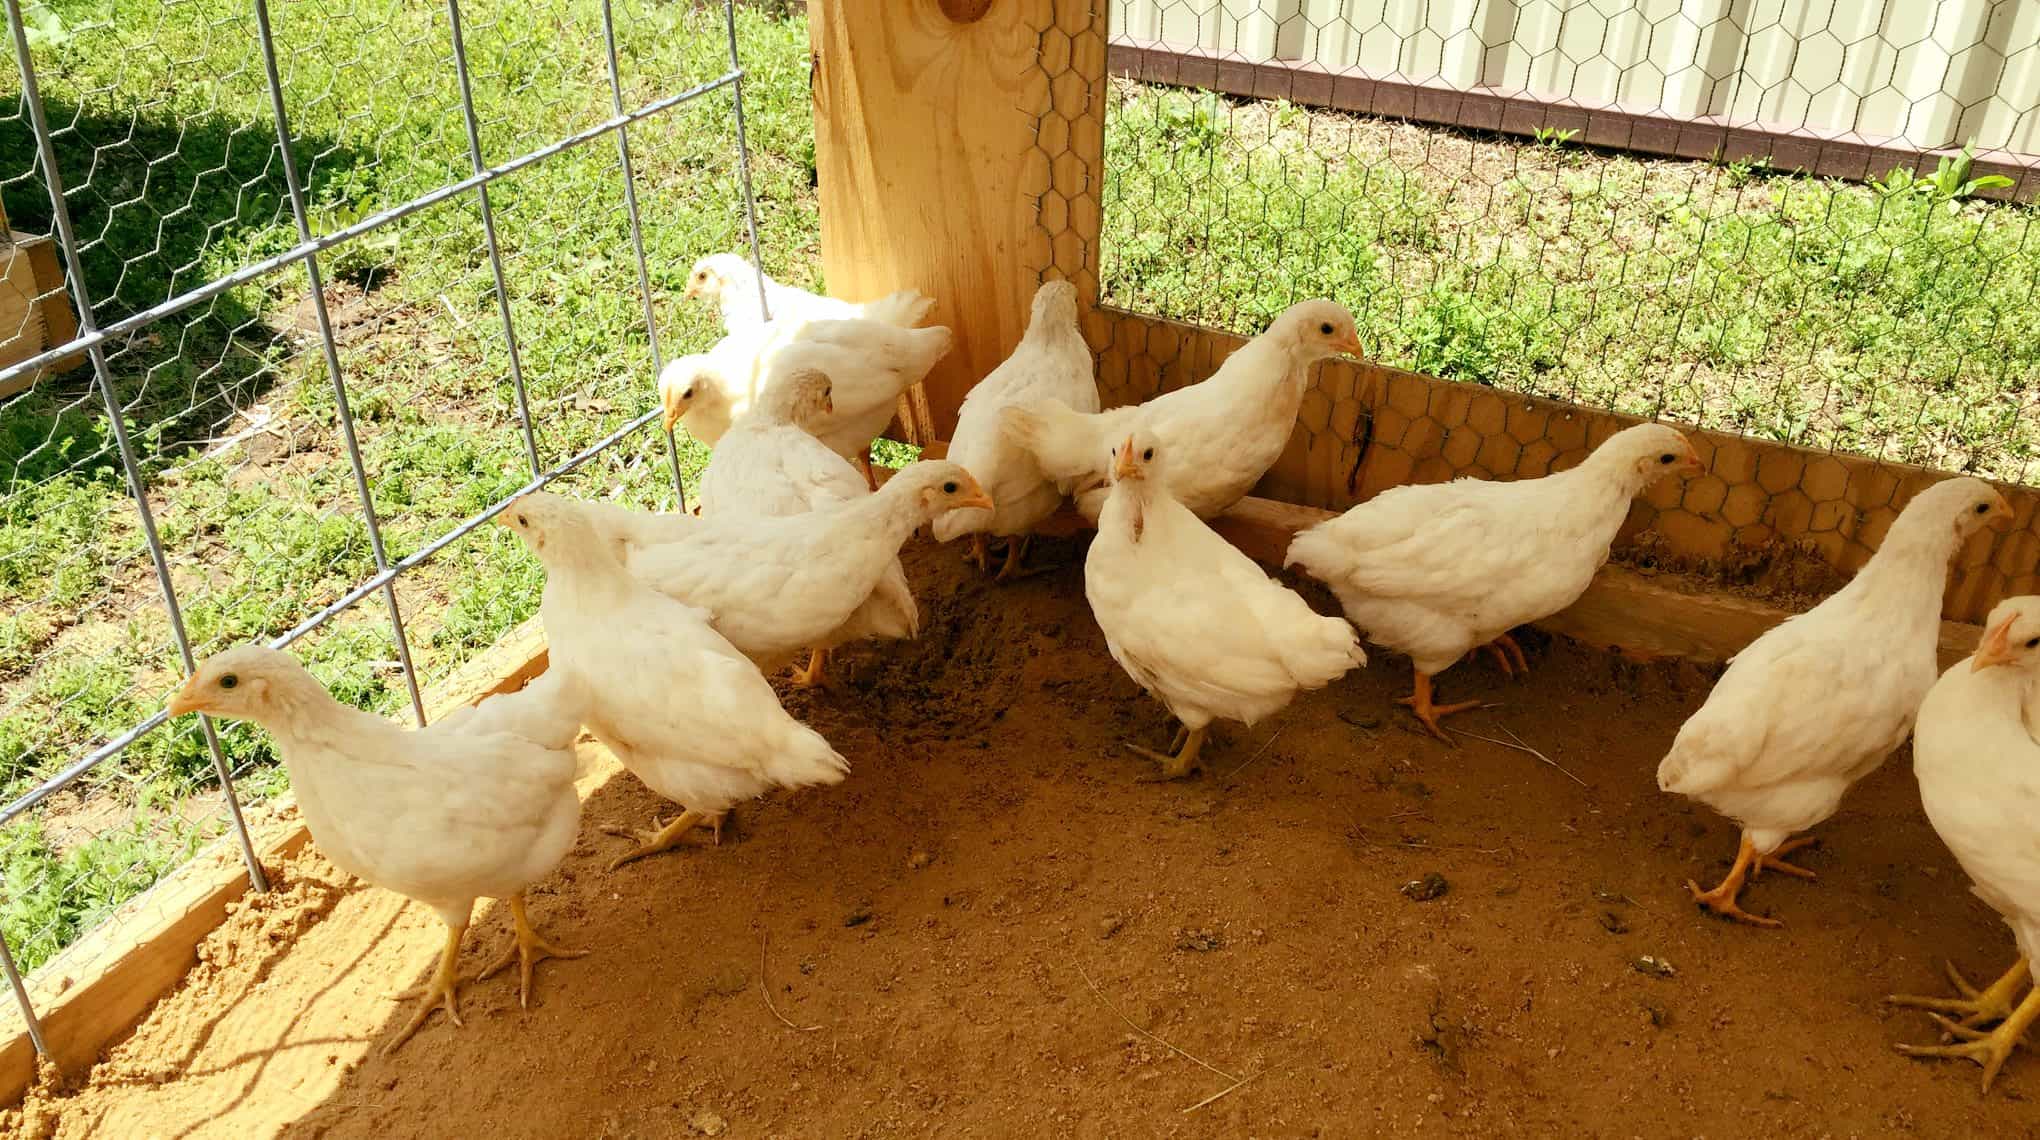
(744, 155)
(46, 151)
(637, 236)
(474, 140)
(342, 408)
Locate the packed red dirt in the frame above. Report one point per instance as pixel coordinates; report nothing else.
(1341, 928)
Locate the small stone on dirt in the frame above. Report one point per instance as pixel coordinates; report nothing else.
(1110, 925)
(1199, 941)
(707, 1123)
(1431, 886)
(857, 917)
(919, 860)
(1654, 966)
(1613, 923)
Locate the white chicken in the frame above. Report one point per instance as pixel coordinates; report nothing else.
(1194, 621)
(626, 531)
(478, 805)
(675, 702)
(769, 465)
(1052, 362)
(1818, 702)
(1437, 570)
(1979, 772)
(869, 362)
(779, 585)
(1223, 434)
(730, 282)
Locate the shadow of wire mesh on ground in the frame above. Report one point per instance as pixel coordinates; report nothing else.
(160, 119)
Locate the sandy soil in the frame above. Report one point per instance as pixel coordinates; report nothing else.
(993, 930)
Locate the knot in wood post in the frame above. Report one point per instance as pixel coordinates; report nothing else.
(964, 11)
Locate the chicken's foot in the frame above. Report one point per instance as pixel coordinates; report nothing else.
(811, 676)
(529, 950)
(1722, 899)
(1775, 860)
(1420, 704)
(978, 553)
(1181, 759)
(1987, 1049)
(663, 836)
(1977, 1008)
(1016, 553)
(442, 991)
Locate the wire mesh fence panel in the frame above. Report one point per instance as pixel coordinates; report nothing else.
(1609, 204)
(269, 474)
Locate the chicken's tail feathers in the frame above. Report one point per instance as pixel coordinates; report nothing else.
(905, 308)
(1331, 650)
(1309, 550)
(930, 345)
(806, 759)
(1057, 437)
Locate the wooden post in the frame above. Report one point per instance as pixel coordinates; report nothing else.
(957, 146)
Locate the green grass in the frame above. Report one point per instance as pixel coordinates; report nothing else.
(1893, 321)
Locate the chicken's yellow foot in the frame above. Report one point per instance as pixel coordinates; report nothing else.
(442, 991)
(1722, 899)
(529, 950)
(1987, 1049)
(662, 837)
(1420, 704)
(1977, 1008)
(1016, 553)
(808, 678)
(1180, 761)
(1508, 642)
(978, 553)
(1775, 860)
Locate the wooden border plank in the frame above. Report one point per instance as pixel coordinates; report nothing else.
(99, 987)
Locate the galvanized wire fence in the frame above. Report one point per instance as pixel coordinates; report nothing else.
(1758, 217)
(347, 276)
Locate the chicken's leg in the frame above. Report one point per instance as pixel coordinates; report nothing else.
(1775, 860)
(1508, 642)
(1420, 704)
(808, 678)
(864, 465)
(1976, 1007)
(662, 837)
(978, 553)
(1016, 553)
(1721, 900)
(1986, 1049)
(1182, 760)
(443, 991)
(529, 950)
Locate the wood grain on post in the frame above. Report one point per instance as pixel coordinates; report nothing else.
(927, 114)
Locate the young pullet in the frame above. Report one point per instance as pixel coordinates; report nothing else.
(730, 283)
(675, 702)
(1818, 702)
(1051, 363)
(1222, 434)
(478, 805)
(1979, 772)
(1194, 621)
(1437, 570)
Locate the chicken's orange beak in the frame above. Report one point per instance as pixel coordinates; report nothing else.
(503, 516)
(693, 290)
(1350, 345)
(1996, 648)
(186, 699)
(673, 410)
(2001, 512)
(1128, 467)
(977, 497)
(1693, 465)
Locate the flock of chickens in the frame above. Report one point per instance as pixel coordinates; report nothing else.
(664, 627)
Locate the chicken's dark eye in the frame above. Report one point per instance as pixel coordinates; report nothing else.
(1325, 328)
(2033, 643)
(688, 394)
(949, 488)
(1983, 508)
(228, 680)
(521, 522)
(1667, 457)
(1148, 454)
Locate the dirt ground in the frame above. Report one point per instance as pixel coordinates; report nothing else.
(992, 930)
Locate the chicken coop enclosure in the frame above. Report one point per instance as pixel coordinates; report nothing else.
(311, 289)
